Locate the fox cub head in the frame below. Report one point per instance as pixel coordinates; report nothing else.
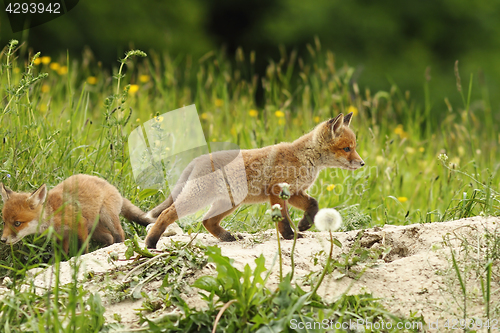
(339, 142)
(21, 212)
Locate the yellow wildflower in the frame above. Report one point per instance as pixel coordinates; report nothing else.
(133, 89)
(45, 60)
(45, 88)
(400, 131)
(144, 78)
(218, 102)
(62, 70)
(54, 66)
(279, 114)
(253, 113)
(138, 119)
(421, 149)
(316, 119)
(353, 109)
(214, 139)
(204, 116)
(37, 61)
(91, 80)
(402, 199)
(330, 187)
(158, 119)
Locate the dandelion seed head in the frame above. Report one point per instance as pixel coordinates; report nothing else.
(328, 219)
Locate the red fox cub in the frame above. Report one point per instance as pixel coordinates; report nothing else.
(72, 207)
(330, 144)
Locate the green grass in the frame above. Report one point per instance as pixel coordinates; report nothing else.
(77, 119)
(62, 124)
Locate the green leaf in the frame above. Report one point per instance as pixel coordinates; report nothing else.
(129, 253)
(208, 283)
(337, 242)
(146, 193)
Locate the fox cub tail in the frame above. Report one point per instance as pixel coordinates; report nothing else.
(133, 213)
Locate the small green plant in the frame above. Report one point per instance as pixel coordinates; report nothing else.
(239, 301)
(59, 308)
(473, 266)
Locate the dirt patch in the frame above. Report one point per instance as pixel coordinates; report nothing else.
(414, 276)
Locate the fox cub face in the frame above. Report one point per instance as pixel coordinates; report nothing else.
(21, 212)
(339, 142)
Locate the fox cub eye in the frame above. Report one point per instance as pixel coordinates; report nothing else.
(347, 149)
(17, 224)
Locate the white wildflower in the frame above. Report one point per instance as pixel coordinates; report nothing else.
(443, 157)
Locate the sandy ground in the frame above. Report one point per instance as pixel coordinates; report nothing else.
(415, 277)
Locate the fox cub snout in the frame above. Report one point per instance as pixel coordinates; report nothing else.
(72, 207)
(331, 144)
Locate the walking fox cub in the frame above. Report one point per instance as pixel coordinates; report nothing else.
(72, 207)
(331, 144)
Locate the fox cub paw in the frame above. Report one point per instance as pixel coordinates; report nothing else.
(304, 224)
(228, 237)
(291, 236)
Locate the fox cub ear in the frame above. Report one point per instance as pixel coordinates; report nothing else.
(347, 119)
(336, 125)
(38, 197)
(5, 193)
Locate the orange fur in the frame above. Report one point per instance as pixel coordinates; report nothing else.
(73, 208)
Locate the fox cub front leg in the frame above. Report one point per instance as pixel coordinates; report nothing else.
(310, 207)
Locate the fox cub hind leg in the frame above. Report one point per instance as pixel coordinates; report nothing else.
(166, 218)
(211, 223)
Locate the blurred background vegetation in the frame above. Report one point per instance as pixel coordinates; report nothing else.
(386, 41)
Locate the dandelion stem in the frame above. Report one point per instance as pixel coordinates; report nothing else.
(279, 252)
(294, 239)
(325, 269)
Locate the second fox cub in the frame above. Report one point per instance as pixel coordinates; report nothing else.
(257, 178)
(72, 207)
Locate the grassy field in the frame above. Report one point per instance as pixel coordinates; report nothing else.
(425, 160)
